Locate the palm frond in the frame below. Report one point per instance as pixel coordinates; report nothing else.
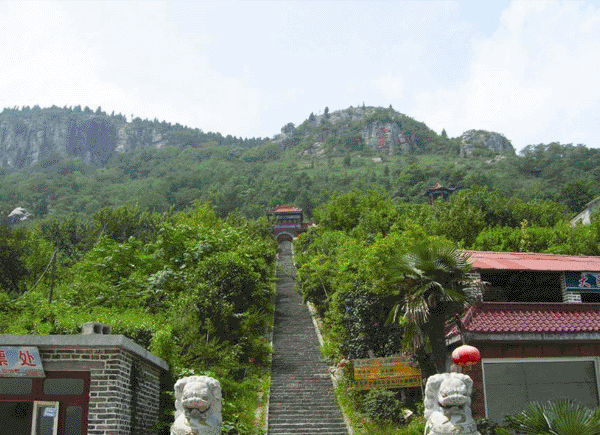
(530, 421)
(561, 417)
(413, 339)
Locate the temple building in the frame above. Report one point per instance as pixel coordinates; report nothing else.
(438, 191)
(537, 326)
(288, 222)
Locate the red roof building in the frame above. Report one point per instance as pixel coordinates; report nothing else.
(537, 326)
(438, 191)
(288, 222)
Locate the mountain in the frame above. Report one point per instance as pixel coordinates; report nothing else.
(28, 135)
(382, 131)
(62, 161)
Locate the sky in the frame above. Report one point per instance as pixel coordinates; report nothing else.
(529, 70)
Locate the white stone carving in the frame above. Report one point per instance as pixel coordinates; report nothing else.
(448, 405)
(197, 406)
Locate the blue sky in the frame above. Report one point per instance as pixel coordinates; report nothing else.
(528, 70)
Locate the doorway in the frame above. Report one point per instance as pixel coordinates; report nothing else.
(16, 418)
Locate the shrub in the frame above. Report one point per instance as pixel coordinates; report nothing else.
(382, 405)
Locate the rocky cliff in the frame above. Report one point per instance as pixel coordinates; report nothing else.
(472, 140)
(27, 136)
(383, 131)
(352, 129)
(25, 140)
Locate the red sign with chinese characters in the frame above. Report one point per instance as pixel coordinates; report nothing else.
(16, 361)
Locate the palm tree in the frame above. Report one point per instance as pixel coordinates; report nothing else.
(562, 417)
(434, 281)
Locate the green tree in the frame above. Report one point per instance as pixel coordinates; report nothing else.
(434, 283)
(575, 194)
(12, 267)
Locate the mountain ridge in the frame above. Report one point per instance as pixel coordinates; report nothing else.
(28, 135)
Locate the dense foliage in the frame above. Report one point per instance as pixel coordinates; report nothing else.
(194, 289)
(351, 265)
(102, 169)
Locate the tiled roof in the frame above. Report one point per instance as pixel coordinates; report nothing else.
(438, 186)
(532, 261)
(509, 317)
(285, 209)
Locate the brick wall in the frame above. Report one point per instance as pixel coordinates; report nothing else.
(124, 389)
(475, 292)
(566, 295)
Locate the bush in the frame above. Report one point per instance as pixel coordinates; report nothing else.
(382, 405)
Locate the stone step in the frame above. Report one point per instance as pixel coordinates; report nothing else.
(301, 398)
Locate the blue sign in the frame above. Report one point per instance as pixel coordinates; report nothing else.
(16, 361)
(583, 281)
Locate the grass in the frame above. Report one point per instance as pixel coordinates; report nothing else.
(362, 425)
(263, 396)
(346, 397)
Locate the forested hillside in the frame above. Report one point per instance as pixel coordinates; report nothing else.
(58, 161)
(159, 229)
(194, 289)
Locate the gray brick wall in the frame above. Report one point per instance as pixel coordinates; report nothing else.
(568, 296)
(124, 389)
(473, 291)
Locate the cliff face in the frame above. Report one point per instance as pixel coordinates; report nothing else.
(386, 137)
(382, 130)
(471, 140)
(26, 137)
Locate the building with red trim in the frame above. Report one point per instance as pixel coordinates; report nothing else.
(537, 326)
(95, 383)
(288, 222)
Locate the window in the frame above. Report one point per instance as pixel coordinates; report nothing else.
(16, 418)
(511, 384)
(522, 286)
(64, 386)
(73, 418)
(15, 386)
(590, 297)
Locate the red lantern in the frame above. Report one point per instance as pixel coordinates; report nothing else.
(466, 355)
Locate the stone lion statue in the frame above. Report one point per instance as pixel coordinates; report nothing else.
(197, 406)
(448, 405)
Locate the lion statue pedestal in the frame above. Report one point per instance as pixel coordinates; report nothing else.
(448, 405)
(197, 406)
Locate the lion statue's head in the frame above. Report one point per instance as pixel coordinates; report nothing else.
(448, 404)
(197, 406)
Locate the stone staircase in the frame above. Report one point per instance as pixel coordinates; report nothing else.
(301, 399)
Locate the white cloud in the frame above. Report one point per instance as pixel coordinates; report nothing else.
(535, 80)
(123, 56)
(389, 86)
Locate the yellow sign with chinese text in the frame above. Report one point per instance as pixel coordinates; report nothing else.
(390, 372)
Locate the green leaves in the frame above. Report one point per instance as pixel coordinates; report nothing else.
(562, 417)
